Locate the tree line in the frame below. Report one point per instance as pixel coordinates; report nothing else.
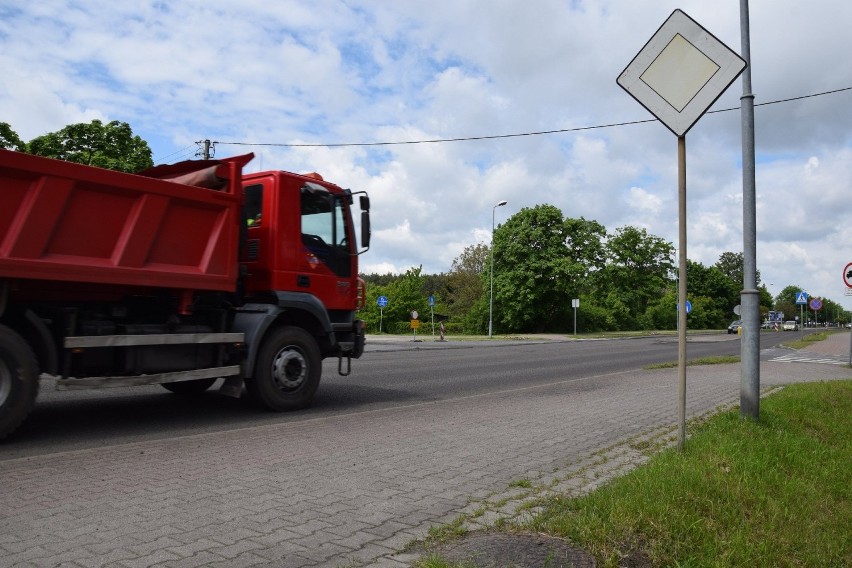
(624, 280)
(112, 145)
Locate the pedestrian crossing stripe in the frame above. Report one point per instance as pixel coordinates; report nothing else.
(806, 359)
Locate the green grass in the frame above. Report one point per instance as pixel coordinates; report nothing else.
(523, 483)
(436, 561)
(442, 533)
(742, 493)
(714, 360)
(807, 340)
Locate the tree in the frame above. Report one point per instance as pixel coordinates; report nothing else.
(717, 292)
(9, 139)
(585, 247)
(638, 271)
(531, 271)
(731, 264)
(465, 285)
(374, 279)
(785, 301)
(112, 146)
(765, 300)
(371, 314)
(406, 295)
(405, 292)
(662, 313)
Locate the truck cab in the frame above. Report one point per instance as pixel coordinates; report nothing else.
(300, 238)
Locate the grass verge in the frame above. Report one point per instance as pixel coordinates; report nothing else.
(771, 493)
(715, 360)
(807, 340)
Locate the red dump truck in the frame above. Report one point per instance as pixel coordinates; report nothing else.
(179, 275)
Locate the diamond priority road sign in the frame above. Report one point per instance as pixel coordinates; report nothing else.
(681, 72)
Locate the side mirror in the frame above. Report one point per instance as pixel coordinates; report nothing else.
(365, 203)
(365, 228)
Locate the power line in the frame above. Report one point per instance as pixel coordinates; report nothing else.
(182, 152)
(498, 136)
(787, 100)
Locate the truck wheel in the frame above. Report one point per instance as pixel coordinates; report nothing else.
(197, 386)
(287, 371)
(18, 380)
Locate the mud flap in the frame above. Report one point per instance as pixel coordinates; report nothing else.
(232, 387)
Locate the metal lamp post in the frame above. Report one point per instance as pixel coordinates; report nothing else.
(491, 296)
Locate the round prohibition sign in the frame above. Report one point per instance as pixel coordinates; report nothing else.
(847, 275)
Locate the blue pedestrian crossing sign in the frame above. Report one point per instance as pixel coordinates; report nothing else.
(382, 301)
(801, 298)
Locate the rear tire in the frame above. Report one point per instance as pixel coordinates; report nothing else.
(18, 380)
(287, 371)
(197, 386)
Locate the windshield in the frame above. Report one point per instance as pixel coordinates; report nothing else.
(325, 228)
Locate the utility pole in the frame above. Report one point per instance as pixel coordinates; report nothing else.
(750, 296)
(208, 151)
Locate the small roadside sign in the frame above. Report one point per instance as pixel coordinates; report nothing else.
(801, 298)
(415, 324)
(847, 275)
(382, 301)
(432, 301)
(816, 304)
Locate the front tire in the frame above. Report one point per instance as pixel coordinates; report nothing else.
(18, 380)
(287, 371)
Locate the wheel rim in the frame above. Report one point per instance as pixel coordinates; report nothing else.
(5, 382)
(289, 369)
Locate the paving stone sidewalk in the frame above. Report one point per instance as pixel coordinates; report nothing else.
(347, 490)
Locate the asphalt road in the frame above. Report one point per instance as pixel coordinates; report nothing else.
(395, 372)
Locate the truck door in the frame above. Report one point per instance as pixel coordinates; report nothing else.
(327, 240)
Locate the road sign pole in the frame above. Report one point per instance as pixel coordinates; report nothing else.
(681, 291)
(575, 320)
(575, 303)
(381, 301)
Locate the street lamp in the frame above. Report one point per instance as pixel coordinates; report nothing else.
(491, 296)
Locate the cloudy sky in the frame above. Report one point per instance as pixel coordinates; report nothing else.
(316, 82)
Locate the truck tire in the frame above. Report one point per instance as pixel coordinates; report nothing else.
(18, 380)
(288, 369)
(197, 386)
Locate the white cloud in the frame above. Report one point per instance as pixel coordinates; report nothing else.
(644, 202)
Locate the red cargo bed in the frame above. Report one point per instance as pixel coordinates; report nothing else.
(68, 222)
